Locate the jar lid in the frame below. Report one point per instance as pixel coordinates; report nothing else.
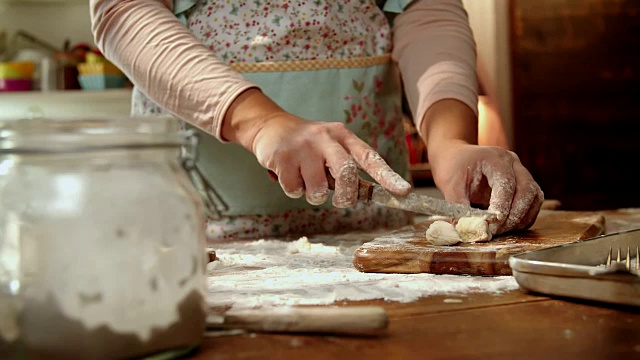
(87, 134)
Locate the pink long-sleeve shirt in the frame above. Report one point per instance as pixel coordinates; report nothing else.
(432, 44)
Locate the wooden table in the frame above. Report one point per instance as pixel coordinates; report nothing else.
(506, 326)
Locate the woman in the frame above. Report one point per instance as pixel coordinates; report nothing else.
(310, 85)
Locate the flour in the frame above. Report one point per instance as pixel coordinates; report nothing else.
(282, 273)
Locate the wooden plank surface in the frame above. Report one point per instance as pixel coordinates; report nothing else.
(511, 325)
(507, 326)
(406, 251)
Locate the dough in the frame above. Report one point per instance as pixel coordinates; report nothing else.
(473, 229)
(304, 246)
(442, 233)
(301, 245)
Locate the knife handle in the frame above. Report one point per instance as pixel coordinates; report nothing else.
(365, 188)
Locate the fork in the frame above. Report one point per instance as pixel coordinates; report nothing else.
(627, 262)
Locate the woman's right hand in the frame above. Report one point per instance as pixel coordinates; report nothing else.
(298, 151)
(492, 177)
(484, 175)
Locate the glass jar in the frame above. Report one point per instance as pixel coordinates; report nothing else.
(102, 248)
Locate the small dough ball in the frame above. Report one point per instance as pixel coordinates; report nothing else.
(442, 233)
(473, 229)
(302, 245)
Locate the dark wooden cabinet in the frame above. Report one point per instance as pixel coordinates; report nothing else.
(576, 98)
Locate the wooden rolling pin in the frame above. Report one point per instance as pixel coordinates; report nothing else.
(348, 320)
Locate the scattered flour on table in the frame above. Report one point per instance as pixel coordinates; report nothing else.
(319, 271)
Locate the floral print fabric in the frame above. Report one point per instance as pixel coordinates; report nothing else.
(289, 30)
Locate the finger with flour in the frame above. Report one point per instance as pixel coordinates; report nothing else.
(317, 188)
(503, 188)
(345, 173)
(527, 200)
(292, 183)
(373, 164)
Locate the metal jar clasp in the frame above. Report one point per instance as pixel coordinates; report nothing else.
(214, 204)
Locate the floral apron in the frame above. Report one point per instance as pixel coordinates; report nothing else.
(319, 60)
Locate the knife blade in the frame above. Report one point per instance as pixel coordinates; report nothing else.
(414, 202)
(425, 204)
(371, 192)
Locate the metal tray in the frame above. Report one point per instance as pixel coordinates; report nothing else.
(577, 269)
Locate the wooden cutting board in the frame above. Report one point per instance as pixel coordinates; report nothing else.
(406, 250)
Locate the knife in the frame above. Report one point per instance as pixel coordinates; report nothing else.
(372, 192)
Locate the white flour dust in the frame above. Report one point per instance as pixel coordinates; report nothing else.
(319, 271)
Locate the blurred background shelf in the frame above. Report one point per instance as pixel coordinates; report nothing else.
(76, 103)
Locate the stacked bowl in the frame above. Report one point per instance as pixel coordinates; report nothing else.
(16, 75)
(97, 73)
